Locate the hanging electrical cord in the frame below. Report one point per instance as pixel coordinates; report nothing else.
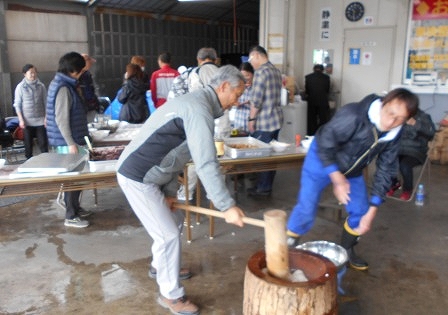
(235, 42)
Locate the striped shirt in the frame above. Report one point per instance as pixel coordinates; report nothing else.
(266, 89)
(242, 111)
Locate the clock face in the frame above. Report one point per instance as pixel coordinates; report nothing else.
(354, 11)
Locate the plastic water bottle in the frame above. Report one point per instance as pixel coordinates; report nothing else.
(420, 195)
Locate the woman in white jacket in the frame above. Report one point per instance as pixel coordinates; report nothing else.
(29, 102)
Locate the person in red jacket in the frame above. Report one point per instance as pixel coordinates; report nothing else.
(162, 80)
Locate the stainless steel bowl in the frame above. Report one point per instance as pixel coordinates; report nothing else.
(113, 125)
(334, 252)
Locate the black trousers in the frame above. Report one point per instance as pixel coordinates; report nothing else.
(31, 132)
(316, 117)
(72, 206)
(407, 164)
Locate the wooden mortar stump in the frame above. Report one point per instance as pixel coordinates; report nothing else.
(267, 295)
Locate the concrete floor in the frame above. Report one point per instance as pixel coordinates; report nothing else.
(46, 268)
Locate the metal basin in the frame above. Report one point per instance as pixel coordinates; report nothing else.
(334, 252)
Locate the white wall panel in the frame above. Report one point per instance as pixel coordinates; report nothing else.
(42, 38)
(43, 55)
(36, 26)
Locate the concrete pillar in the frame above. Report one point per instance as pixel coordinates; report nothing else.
(284, 21)
(5, 75)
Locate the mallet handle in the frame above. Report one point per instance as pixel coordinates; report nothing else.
(217, 213)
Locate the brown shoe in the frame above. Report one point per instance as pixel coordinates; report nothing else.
(180, 306)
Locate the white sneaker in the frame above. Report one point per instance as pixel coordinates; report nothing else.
(76, 222)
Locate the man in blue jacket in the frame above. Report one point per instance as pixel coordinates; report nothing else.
(341, 149)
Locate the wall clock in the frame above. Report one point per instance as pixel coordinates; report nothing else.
(354, 11)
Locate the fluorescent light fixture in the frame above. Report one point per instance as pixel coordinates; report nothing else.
(88, 2)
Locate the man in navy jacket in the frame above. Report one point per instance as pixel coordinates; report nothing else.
(341, 149)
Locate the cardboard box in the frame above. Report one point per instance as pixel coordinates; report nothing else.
(291, 86)
(438, 139)
(435, 154)
(444, 157)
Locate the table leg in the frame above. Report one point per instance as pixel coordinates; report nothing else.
(187, 223)
(187, 197)
(211, 228)
(235, 186)
(60, 197)
(198, 200)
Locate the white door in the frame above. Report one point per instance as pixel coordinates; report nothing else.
(367, 62)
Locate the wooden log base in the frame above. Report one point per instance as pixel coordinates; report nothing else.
(267, 295)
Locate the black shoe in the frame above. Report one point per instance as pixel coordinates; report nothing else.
(355, 261)
(255, 192)
(292, 242)
(349, 241)
(83, 213)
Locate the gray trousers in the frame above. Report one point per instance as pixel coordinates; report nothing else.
(164, 226)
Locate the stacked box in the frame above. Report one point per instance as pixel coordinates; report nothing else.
(438, 152)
